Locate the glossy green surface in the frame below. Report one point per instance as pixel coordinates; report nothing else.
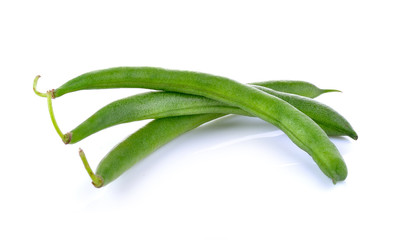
(155, 105)
(145, 141)
(301, 129)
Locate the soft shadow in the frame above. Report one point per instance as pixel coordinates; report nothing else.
(343, 144)
(239, 123)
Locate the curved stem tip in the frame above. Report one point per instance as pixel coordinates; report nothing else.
(35, 87)
(97, 181)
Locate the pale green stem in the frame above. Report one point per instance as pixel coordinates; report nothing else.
(35, 87)
(97, 181)
(53, 119)
(49, 96)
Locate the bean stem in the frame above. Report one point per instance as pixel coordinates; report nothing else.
(35, 87)
(53, 119)
(97, 181)
(49, 96)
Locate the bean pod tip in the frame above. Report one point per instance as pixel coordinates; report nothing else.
(67, 138)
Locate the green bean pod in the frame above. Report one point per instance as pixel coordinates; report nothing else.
(297, 87)
(142, 143)
(155, 105)
(301, 129)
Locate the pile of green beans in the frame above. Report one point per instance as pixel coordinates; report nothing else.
(187, 100)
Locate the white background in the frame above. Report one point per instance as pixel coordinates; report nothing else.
(237, 178)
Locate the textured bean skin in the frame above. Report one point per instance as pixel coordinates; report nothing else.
(327, 118)
(145, 141)
(150, 105)
(301, 129)
(301, 88)
(161, 131)
(155, 105)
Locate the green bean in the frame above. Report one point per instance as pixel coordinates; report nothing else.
(141, 143)
(301, 129)
(108, 78)
(155, 105)
(151, 105)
